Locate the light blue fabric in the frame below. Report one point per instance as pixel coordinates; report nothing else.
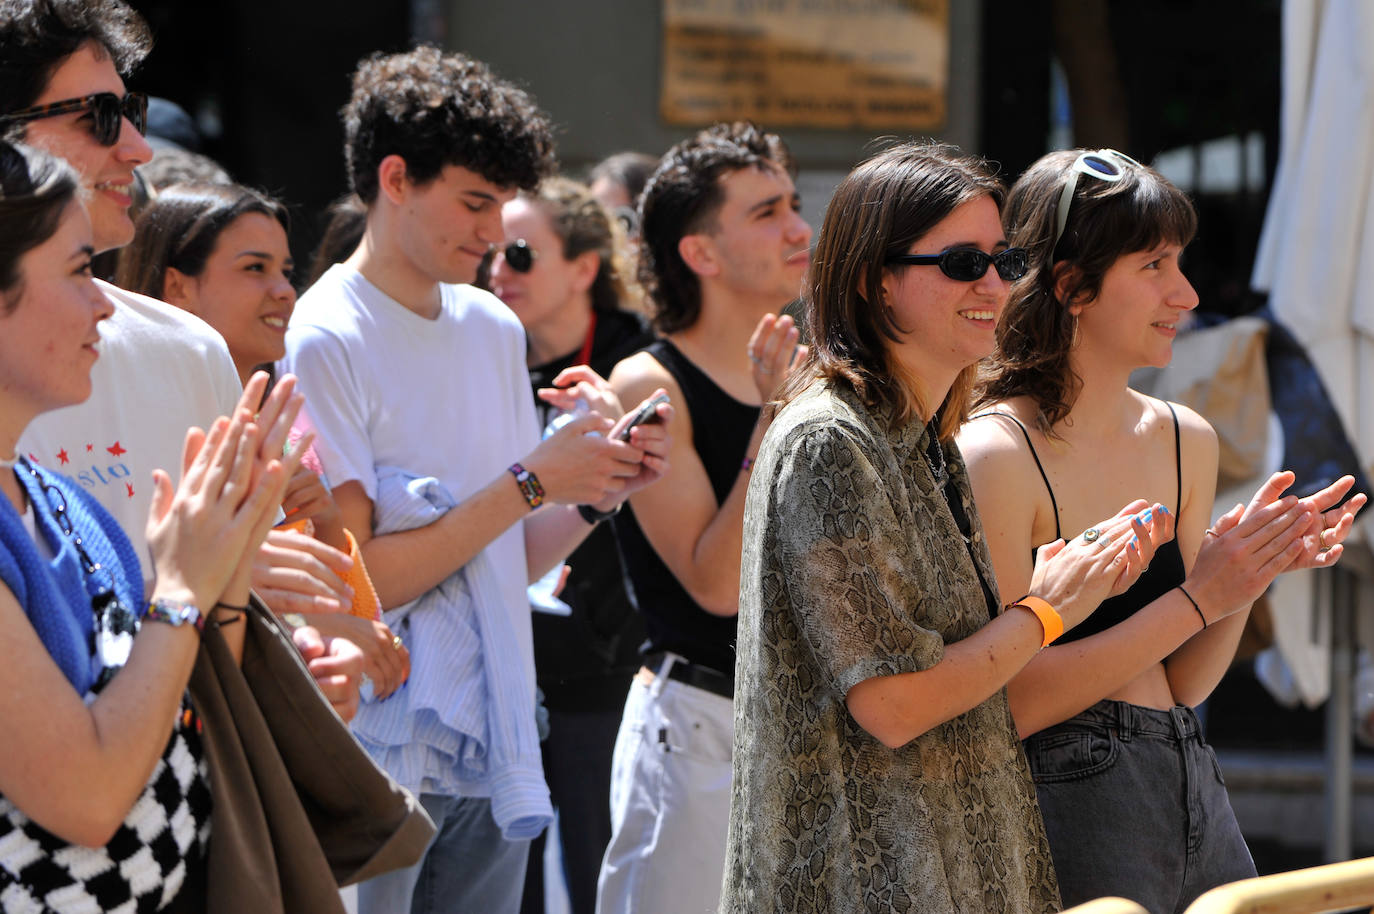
(463, 724)
(56, 595)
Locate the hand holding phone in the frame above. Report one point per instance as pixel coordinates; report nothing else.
(647, 412)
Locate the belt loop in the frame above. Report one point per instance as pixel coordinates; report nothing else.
(661, 674)
(1179, 715)
(1125, 726)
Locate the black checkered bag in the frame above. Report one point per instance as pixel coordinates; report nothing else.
(144, 865)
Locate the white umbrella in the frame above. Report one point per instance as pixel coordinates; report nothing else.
(1316, 260)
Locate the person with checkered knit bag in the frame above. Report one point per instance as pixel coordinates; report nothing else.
(104, 794)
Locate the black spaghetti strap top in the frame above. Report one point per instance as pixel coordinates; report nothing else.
(721, 426)
(1166, 569)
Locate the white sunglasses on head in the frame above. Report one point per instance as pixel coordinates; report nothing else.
(1103, 164)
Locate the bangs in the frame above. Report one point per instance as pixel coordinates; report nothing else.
(1136, 214)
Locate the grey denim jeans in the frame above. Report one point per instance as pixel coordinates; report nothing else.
(1135, 806)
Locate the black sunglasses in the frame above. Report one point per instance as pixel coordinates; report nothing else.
(519, 256)
(970, 264)
(107, 113)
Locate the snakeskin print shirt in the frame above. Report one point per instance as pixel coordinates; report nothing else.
(854, 567)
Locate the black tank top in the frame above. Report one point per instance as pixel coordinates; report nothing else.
(721, 426)
(1166, 569)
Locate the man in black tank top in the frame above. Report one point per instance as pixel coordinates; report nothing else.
(724, 248)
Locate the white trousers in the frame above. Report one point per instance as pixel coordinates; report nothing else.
(670, 802)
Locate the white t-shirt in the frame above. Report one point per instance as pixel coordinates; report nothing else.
(160, 371)
(448, 398)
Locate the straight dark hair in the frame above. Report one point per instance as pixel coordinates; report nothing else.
(1106, 221)
(880, 209)
(35, 190)
(179, 229)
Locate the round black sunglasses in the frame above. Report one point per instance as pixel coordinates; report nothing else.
(519, 256)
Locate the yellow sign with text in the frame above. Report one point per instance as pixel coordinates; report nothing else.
(842, 64)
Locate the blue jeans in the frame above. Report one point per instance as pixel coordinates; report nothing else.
(1135, 806)
(467, 867)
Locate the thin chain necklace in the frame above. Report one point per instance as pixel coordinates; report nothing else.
(935, 456)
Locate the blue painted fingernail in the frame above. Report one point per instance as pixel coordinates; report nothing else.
(1144, 516)
(1134, 543)
(1163, 509)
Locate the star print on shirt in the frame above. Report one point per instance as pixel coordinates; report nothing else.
(116, 450)
(130, 487)
(62, 459)
(89, 448)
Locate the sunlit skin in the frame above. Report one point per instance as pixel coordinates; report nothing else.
(48, 343)
(244, 290)
(947, 324)
(553, 300)
(106, 171)
(759, 243)
(1133, 320)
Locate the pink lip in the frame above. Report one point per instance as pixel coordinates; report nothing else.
(1170, 332)
(800, 258)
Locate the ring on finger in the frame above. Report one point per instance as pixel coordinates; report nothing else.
(753, 358)
(1210, 532)
(1321, 538)
(1091, 535)
(396, 642)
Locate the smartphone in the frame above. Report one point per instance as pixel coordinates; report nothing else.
(646, 413)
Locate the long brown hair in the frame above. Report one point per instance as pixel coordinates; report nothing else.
(1106, 220)
(879, 210)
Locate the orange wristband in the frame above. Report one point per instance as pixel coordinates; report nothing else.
(1049, 617)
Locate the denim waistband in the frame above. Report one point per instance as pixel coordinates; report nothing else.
(1127, 720)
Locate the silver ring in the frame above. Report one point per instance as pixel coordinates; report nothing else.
(753, 358)
(1091, 535)
(396, 642)
(1210, 532)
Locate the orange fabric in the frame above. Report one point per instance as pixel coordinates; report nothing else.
(365, 602)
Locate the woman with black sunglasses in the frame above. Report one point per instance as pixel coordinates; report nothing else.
(104, 797)
(876, 765)
(1132, 796)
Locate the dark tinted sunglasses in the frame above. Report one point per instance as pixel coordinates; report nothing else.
(107, 113)
(970, 264)
(519, 256)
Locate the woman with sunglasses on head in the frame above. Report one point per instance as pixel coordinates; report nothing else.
(220, 251)
(562, 272)
(876, 764)
(104, 797)
(1132, 796)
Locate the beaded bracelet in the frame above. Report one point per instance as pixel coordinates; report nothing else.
(529, 485)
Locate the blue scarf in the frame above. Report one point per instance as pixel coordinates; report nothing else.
(56, 595)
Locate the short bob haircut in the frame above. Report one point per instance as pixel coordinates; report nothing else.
(37, 35)
(35, 190)
(1106, 220)
(683, 197)
(880, 209)
(435, 109)
(583, 224)
(180, 228)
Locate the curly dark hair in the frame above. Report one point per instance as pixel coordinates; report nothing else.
(1106, 220)
(683, 197)
(35, 190)
(434, 109)
(37, 35)
(879, 210)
